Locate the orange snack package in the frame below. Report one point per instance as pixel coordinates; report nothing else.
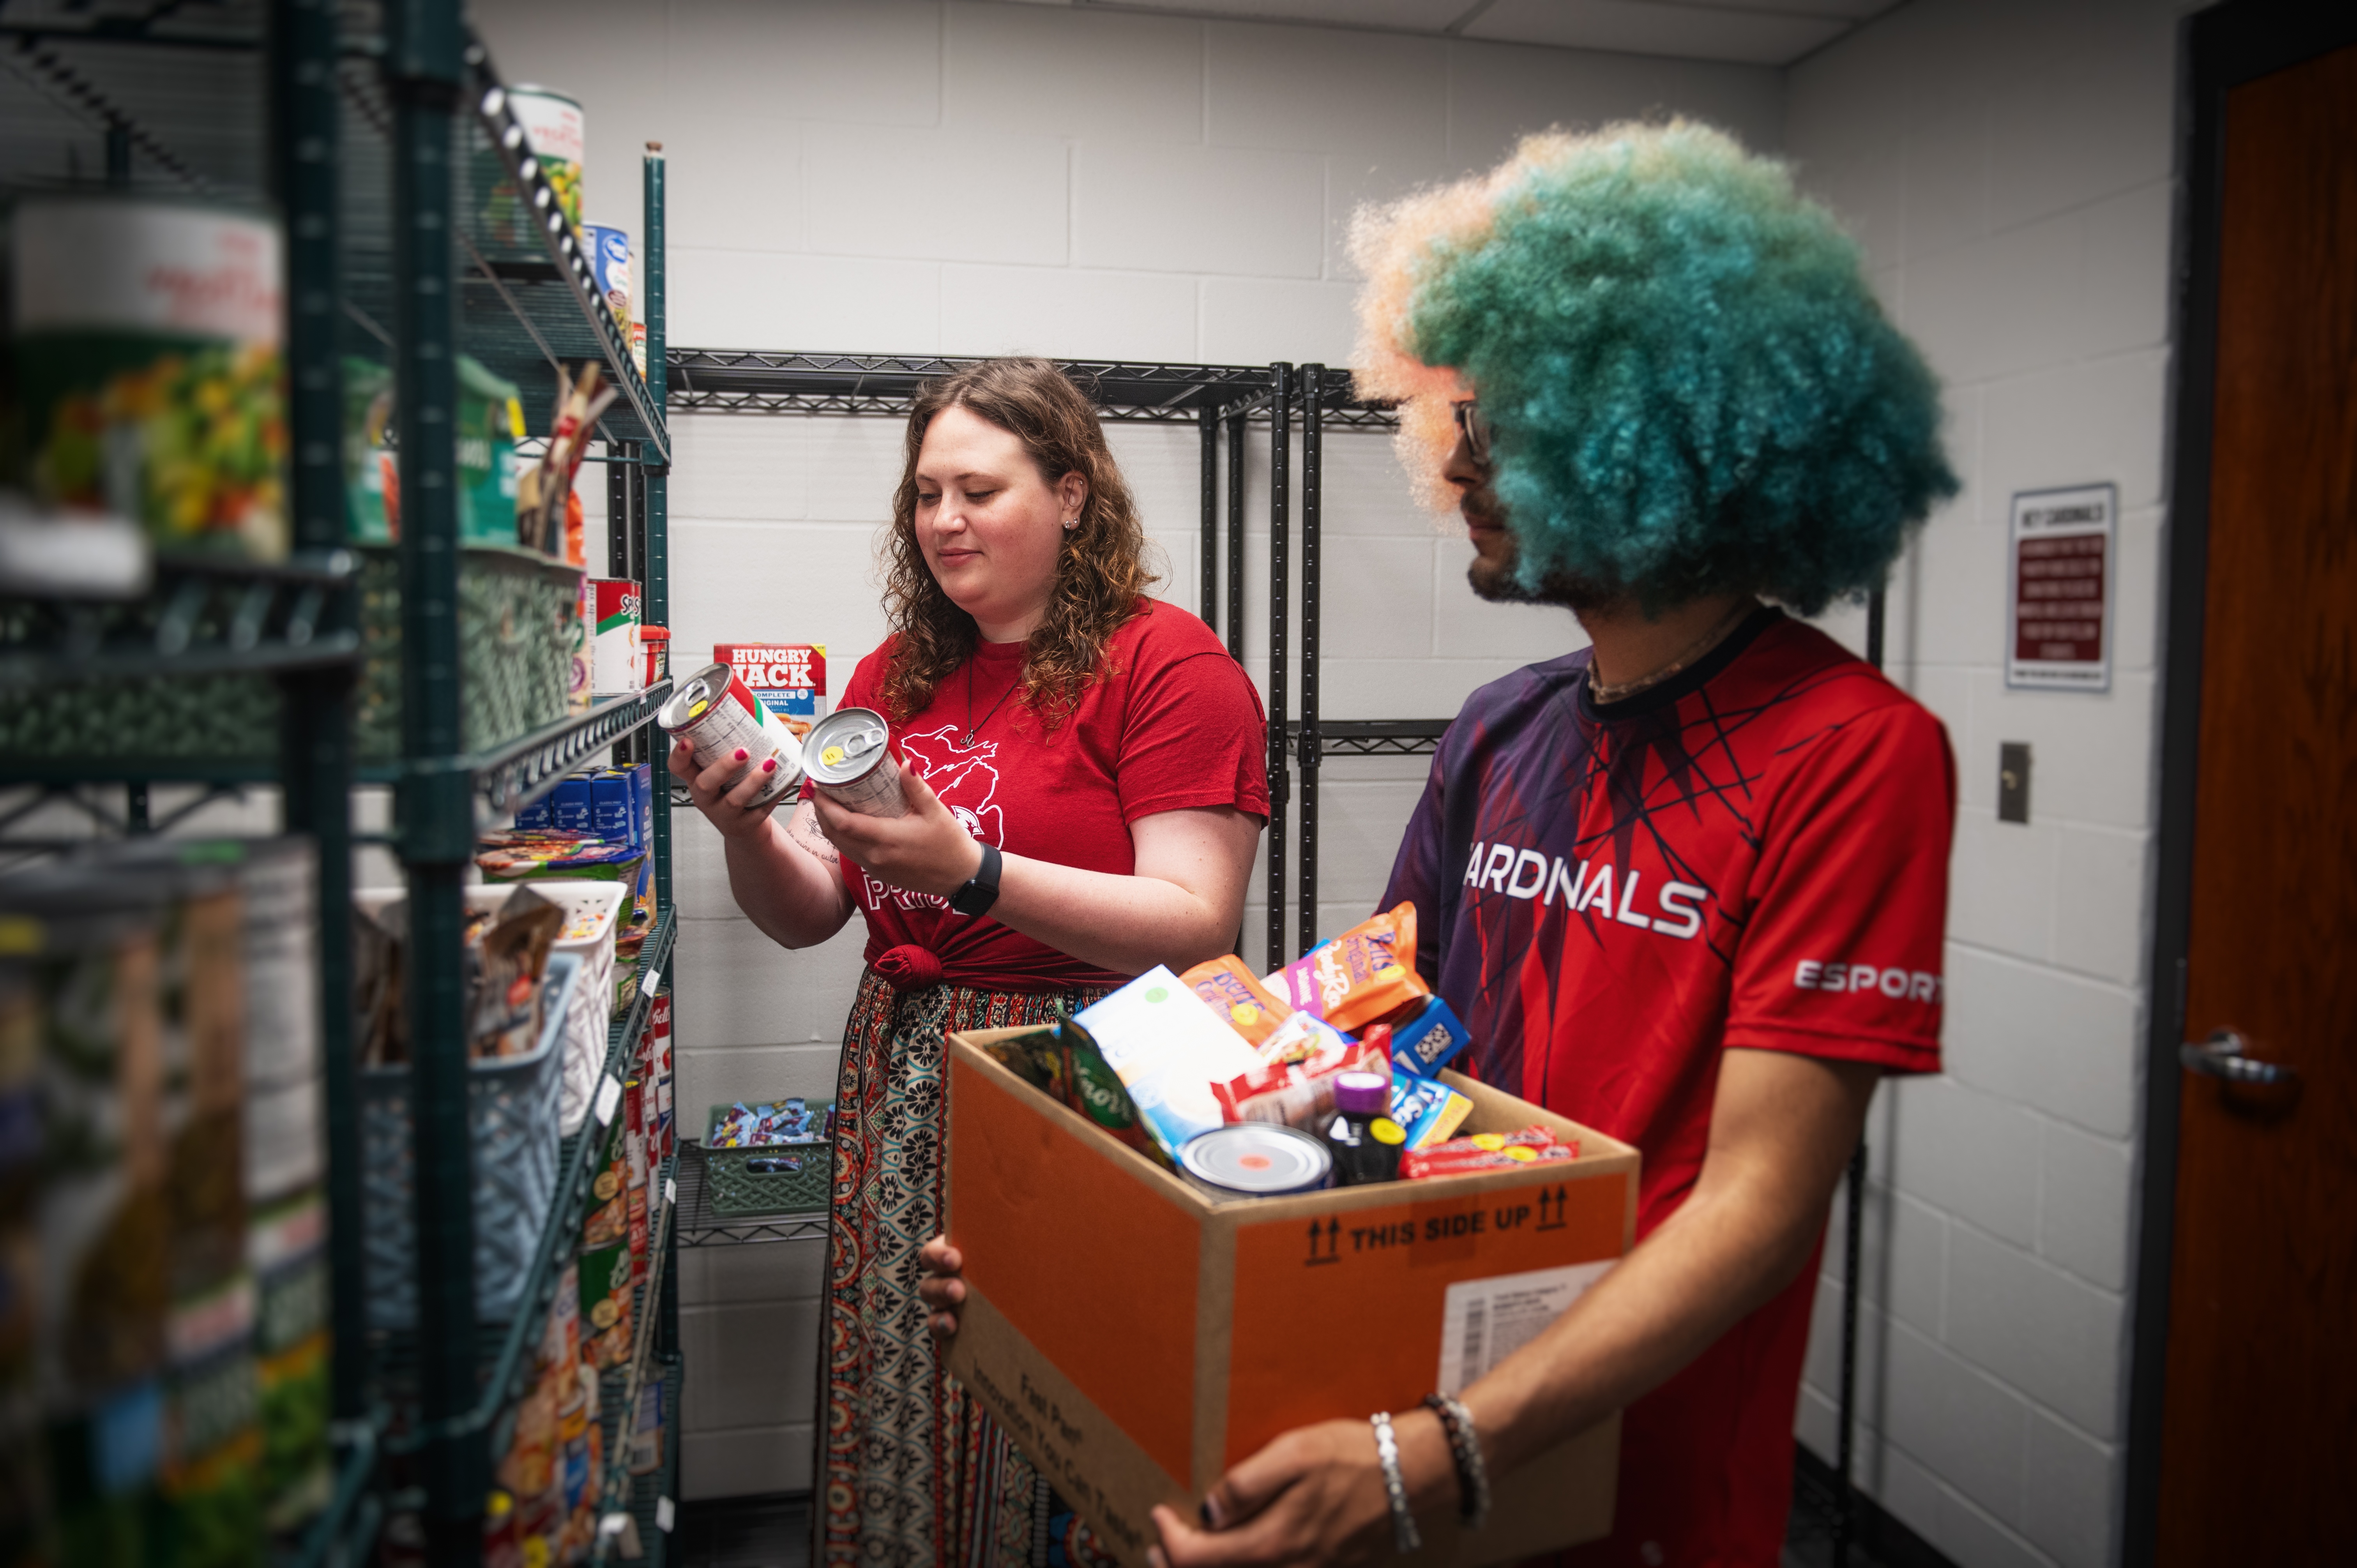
(1237, 997)
(1366, 972)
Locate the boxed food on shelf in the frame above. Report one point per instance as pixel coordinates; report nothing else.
(1141, 1378)
(786, 679)
(491, 422)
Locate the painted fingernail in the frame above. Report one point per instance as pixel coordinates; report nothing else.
(742, 754)
(770, 766)
(1210, 1515)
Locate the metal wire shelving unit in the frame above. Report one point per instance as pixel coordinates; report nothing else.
(416, 226)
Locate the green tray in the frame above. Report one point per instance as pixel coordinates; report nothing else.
(735, 1192)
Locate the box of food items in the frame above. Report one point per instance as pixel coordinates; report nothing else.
(1214, 1207)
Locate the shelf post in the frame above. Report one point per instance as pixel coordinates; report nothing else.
(657, 586)
(425, 60)
(1280, 481)
(316, 743)
(1238, 431)
(1208, 416)
(1313, 397)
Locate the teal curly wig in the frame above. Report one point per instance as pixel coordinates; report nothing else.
(1690, 387)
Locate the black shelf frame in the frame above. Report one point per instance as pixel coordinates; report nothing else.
(699, 1226)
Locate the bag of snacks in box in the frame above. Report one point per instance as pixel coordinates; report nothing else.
(1365, 974)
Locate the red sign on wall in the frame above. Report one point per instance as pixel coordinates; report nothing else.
(2061, 611)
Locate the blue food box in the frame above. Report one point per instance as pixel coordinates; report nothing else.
(574, 806)
(540, 814)
(643, 776)
(1429, 1041)
(615, 798)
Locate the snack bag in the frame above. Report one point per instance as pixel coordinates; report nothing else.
(1361, 975)
(1486, 1152)
(1301, 1093)
(1427, 1037)
(1428, 1110)
(1064, 1063)
(1234, 995)
(1301, 1037)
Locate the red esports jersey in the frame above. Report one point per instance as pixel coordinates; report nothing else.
(1754, 854)
(1173, 724)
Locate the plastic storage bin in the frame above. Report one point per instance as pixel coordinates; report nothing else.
(511, 1112)
(736, 1192)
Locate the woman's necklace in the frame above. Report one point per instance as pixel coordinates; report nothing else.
(1601, 693)
(972, 724)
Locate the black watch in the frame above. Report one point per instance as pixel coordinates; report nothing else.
(981, 889)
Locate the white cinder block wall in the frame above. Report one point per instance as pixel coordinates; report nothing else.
(977, 178)
(2007, 164)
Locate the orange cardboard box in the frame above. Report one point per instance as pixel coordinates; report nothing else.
(1136, 1338)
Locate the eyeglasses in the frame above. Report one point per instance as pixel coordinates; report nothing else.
(1472, 428)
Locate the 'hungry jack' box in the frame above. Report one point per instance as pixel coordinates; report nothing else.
(1136, 1338)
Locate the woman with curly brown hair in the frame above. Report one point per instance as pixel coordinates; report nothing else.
(1082, 764)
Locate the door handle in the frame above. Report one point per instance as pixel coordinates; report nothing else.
(2221, 1056)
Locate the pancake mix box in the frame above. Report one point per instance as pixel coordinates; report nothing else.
(787, 679)
(1137, 1338)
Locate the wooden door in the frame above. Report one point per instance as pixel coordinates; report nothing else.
(2259, 1434)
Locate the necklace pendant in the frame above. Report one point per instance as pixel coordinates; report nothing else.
(968, 744)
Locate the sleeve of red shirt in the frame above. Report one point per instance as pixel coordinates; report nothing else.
(1193, 732)
(1841, 955)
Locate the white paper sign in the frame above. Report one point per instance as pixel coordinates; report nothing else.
(609, 1095)
(1482, 1321)
(2061, 560)
(663, 1515)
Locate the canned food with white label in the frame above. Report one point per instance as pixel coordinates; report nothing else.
(849, 754)
(716, 713)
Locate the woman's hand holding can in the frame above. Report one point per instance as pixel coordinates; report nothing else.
(725, 791)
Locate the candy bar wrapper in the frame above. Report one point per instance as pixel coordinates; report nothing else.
(1364, 974)
(1301, 1093)
(1426, 1109)
(1426, 1037)
(1418, 1164)
(1231, 991)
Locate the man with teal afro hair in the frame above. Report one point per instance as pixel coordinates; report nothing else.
(1687, 885)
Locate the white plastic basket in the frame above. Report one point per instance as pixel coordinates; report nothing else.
(511, 1117)
(589, 1016)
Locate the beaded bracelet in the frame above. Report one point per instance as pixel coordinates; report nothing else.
(1465, 1448)
(1404, 1532)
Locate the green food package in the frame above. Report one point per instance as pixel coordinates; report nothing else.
(490, 421)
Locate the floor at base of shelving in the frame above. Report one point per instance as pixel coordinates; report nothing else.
(774, 1531)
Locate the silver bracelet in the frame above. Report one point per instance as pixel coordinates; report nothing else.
(1404, 1534)
(1465, 1448)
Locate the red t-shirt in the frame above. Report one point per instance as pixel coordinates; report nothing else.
(1753, 855)
(1173, 724)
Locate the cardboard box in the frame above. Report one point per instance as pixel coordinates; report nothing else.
(1136, 1338)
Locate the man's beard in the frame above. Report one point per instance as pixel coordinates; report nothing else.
(1497, 582)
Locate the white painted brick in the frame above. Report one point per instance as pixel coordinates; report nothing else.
(1960, 608)
(1356, 179)
(1821, 1371)
(854, 466)
(2058, 1340)
(1911, 1493)
(1366, 491)
(2086, 107)
(2001, 884)
(1162, 463)
(1359, 832)
(758, 1463)
(1947, 176)
(756, 299)
(1862, 179)
(1969, 1538)
(1469, 627)
(2091, 752)
(1014, 68)
(1382, 95)
(2070, 1502)
(2031, 1035)
(1377, 600)
(736, 987)
(954, 194)
(1252, 321)
(1817, 1423)
(737, 467)
(1970, 1155)
(771, 583)
(2136, 591)
(1199, 210)
(2082, 424)
(2099, 925)
(1405, 688)
(1999, 306)
(1962, 418)
(752, 1274)
(867, 62)
(708, 158)
(771, 1379)
(1904, 1244)
(2125, 302)
(1499, 93)
(2084, 1205)
(1968, 1428)
(1067, 313)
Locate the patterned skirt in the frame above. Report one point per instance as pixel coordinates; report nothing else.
(912, 1475)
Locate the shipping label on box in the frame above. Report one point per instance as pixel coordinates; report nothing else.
(787, 679)
(1137, 1340)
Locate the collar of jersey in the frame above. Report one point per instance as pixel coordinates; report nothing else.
(1686, 681)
